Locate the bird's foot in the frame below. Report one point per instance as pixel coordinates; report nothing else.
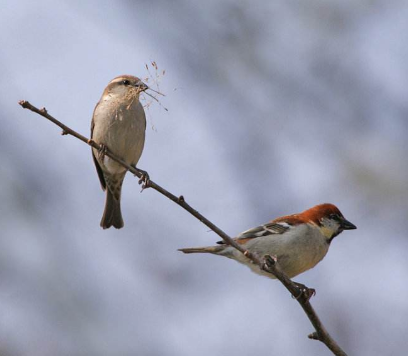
(102, 151)
(304, 291)
(144, 179)
(269, 261)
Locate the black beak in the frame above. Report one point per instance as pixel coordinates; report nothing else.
(347, 225)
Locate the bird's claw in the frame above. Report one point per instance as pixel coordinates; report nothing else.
(102, 151)
(144, 179)
(269, 261)
(304, 291)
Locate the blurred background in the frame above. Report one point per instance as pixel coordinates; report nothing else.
(273, 108)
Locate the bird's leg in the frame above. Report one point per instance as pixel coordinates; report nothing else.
(144, 179)
(269, 261)
(304, 291)
(102, 151)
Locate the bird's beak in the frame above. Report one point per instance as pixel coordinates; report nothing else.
(142, 86)
(347, 225)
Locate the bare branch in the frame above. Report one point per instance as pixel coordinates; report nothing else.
(267, 263)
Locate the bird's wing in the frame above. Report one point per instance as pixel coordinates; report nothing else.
(98, 167)
(271, 228)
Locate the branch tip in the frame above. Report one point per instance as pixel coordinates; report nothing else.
(314, 336)
(24, 103)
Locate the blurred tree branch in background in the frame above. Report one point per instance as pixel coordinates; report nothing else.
(301, 293)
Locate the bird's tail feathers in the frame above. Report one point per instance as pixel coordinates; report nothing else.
(210, 249)
(112, 215)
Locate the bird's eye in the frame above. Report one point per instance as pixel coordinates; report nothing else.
(125, 82)
(334, 217)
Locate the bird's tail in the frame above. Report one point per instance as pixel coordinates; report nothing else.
(210, 249)
(112, 215)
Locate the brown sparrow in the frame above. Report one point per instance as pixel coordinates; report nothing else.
(118, 125)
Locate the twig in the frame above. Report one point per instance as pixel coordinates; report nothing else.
(267, 263)
(157, 92)
(156, 98)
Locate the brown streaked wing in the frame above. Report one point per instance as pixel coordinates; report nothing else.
(98, 167)
(271, 228)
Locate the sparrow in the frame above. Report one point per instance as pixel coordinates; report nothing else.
(118, 125)
(298, 242)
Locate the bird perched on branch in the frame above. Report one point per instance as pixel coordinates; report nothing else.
(298, 241)
(118, 125)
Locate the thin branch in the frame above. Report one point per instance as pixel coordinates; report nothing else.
(267, 263)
